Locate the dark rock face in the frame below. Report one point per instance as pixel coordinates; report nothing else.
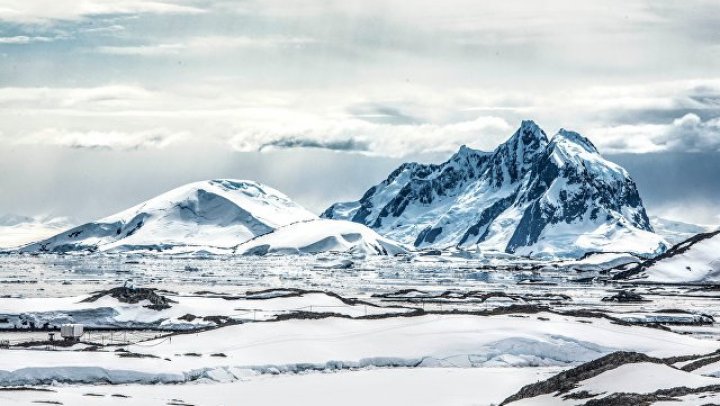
(133, 296)
(563, 383)
(429, 182)
(480, 229)
(526, 185)
(594, 194)
(428, 235)
(625, 296)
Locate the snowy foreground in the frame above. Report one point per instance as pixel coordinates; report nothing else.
(436, 386)
(445, 329)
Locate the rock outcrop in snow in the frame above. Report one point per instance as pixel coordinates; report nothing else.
(621, 378)
(696, 259)
(531, 196)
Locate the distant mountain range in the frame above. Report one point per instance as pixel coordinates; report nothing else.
(531, 196)
(17, 230)
(677, 231)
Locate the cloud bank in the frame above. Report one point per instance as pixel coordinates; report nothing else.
(103, 140)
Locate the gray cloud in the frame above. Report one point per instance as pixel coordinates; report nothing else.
(24, 39)
(352, 135)
(677, 184)
(347, 145)
(49, 11)
(688, 133)
(303, 81)
(111, 140)
(382, 113)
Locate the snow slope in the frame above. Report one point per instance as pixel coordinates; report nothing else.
(218, 216)
(217, 213)
(695, 260)
(417, 387)
(16, 231)
(530, 196)
(675, 231)
(641, 381)
(644, 377)
(311, 237)
(458, 341)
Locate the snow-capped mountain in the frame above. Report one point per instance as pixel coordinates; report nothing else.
(223, 217)
(217, 213)
(675, 231)
(17, 230)
(531, 196)
(321, 235)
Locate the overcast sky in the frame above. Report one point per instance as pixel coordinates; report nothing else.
(105, 103)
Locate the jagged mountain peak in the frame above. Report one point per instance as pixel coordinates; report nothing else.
(575, 153)
(531, 128)
(464, 153)
(467, 158)
(522, 198)
(566, 137)
(528, 137)
(512, 159)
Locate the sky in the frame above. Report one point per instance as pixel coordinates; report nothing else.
(105, 103)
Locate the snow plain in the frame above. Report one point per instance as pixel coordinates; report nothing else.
(437, 386)
(293, 346)
(455, 328)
